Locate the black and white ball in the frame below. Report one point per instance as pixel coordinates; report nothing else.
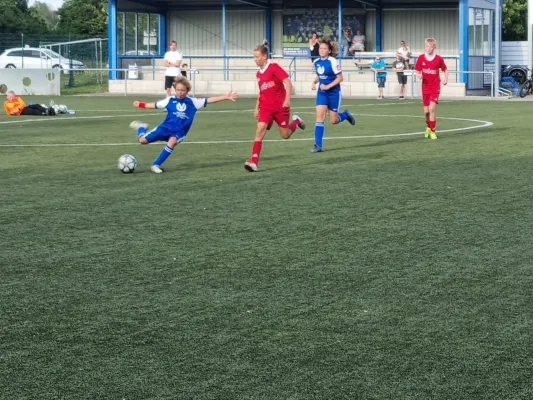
(127, 163)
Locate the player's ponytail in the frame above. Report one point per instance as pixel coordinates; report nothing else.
(180, 79)
(262, 48)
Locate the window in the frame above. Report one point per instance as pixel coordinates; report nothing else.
(15, 53)
(131, 32)
(480, 32)
(30, 54)
(137, 34)
(153, 32)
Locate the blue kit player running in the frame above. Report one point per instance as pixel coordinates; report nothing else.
(181, 110)
(328, 97)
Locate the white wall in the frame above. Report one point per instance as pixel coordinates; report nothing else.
(414, 26)
(514, 53)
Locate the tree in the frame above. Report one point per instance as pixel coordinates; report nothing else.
(83, 18)
(514, 15)
(18, 18)
(46, 13)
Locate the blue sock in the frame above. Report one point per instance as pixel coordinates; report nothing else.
(141, 131)
(319, 133)
(163, 155)
(342, 116)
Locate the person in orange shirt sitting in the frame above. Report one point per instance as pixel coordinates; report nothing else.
(14, 105)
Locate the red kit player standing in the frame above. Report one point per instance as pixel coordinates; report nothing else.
(428, 67)
(273, 103)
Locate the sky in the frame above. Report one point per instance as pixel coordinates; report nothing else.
(54, 4)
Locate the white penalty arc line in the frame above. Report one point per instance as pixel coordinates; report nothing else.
(482, 124)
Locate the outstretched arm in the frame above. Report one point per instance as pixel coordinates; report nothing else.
(229, 96)
(142, 104)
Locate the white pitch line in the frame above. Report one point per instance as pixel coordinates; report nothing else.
(73, 118)
(292, 108)
(483, 124)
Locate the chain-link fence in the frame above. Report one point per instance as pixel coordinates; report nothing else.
(92, 52)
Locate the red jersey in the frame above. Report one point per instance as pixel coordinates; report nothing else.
(271, 88)
(430, 72)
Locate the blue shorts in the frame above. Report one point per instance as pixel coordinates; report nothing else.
(381, 81)
(330, 98)
(163, 134)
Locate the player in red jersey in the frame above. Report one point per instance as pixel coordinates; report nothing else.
(273, 103)
(428, 67)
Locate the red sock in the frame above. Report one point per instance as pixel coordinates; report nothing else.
(428, 122)
(256, 150)
(432, 125)
(293, 125)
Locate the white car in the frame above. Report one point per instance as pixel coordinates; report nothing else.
(36, 58)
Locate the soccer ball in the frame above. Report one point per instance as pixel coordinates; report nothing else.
(127, 163)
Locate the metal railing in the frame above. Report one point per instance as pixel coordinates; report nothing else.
(93, 80)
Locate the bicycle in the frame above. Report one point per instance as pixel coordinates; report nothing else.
(527, 88)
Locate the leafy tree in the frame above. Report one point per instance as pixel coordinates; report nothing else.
(18, 18)
(46, 13)
(514, 16)
(83, 18)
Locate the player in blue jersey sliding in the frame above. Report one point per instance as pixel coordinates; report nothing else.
(328, 78)
(181, 110)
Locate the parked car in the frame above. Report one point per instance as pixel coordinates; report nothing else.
(32, 57)
(517, 72)
(143, 53)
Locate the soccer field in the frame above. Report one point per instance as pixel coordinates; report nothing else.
(386, 267)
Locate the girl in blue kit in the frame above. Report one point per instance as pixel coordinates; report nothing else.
(181, 110)
(328, 79)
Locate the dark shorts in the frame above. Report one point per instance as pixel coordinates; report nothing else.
(169, 80)
(381, 81)
(402, 78)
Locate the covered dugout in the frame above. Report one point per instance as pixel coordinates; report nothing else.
(229, 29)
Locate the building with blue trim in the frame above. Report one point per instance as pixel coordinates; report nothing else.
(141, 29)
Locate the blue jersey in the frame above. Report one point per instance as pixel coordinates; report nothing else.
(327, 71)
(180, 113)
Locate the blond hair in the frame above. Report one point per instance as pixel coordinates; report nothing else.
(432, 41)
(262, 48)
(182, 80)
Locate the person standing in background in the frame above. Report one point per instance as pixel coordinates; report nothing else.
(380, 68)
(313, 46)
(172, 62)
(398, 66)
(405, 53)
(346, 42)
(184, 69)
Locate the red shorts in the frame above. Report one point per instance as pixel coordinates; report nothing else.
(281, 116)
(431, 97)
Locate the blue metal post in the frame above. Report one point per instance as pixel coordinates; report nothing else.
(268, 26)
(225, 60)
(112, 38)
(339, 30)
(378, 28)
(463, 39)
